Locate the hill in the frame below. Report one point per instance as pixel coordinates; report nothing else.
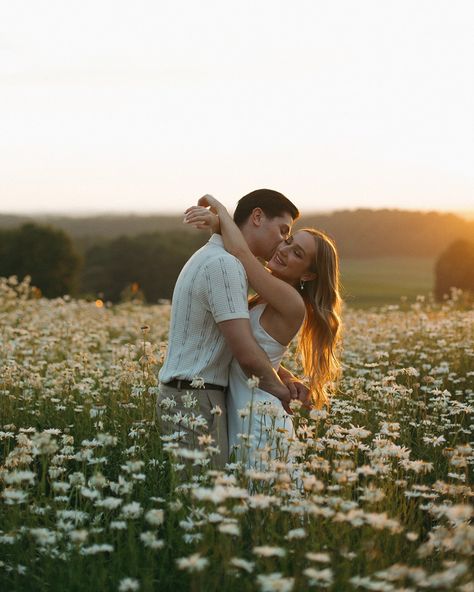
(391, 233)
(358, 233)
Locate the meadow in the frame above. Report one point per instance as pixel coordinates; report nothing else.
(377, 281)
(374, 493)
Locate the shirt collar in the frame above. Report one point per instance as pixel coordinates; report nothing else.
(216, 239)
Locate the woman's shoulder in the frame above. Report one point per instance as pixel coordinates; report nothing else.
(283, 325)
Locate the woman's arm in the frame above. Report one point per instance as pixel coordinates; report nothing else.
(280, 295)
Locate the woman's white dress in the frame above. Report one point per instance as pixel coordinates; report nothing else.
(258, 426)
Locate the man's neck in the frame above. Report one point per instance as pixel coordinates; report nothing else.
(250, 239)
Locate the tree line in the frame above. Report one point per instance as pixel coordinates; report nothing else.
(358, 233)
(147, 264)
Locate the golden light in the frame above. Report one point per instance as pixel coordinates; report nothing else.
(99, 303)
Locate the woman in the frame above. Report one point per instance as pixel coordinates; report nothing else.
(301, 293)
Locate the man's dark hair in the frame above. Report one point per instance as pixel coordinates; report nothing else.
(272, 203)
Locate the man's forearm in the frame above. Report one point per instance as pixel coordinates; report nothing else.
(258, 365)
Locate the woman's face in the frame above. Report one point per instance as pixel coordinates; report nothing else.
(294, 258)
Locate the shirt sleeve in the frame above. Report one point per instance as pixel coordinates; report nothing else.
(226, 288)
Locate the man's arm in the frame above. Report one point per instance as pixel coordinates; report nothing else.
(252, 359)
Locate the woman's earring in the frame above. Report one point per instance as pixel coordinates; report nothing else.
(301, 285)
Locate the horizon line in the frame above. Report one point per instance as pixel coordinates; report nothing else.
(467, 213)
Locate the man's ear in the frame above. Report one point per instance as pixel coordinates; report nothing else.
(257, 216)
(309, 276)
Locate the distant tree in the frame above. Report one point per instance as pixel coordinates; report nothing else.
(455, 268)
(147, 263)
(45, 253)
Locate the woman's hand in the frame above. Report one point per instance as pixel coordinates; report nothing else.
(202, 218)
(210, 201)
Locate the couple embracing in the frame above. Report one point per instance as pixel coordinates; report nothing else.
(219, 338)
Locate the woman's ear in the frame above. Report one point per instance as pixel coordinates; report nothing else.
(309, 276)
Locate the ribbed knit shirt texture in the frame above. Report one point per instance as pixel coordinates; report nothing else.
(211, 288)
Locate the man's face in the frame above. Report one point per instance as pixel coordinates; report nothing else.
(273, 231)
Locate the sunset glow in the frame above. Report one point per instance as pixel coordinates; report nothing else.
(145, 106)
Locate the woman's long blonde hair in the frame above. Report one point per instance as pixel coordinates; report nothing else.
(320, 333)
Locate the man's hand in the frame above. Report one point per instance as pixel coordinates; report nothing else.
(304, 395)
(285, 399)
(298, 390)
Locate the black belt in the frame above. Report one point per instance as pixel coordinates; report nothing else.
(186, 384)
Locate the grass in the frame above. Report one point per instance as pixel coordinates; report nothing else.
(374, 282)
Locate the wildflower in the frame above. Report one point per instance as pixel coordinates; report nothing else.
(434, 441)
(193, 563)
(192, 538)
(205, 440)
(95, 549)
(14, 496)
(75, 516)
(131, 510)
(365, 582)
(275, 582)
(216, 410)
(44, 537)
(167, 403)
(109, 503)
(90, 493)
(318, 557)
(418, 466)
(129, 585)
(191, 454)
(133, 466)
(319, 577)
(78, 536)
(155, 517)
(198, 382)
(262, 501)
(247, 566)
(17, 477)
(358, 432)
(77, 478)
(459, 513)
(189, 401)
(372, 495)
(268, 551)
(253, 382)
(229, 528)
(150, 540)
(296, 404)
(296, 533)
(43, 444)
(316, 414)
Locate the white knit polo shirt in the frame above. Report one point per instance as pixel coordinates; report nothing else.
(211, 288)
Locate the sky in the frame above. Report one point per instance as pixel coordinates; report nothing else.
(144, 106)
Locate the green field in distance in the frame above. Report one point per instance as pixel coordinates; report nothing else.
(375, 282)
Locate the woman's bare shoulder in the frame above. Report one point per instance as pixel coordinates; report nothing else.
(283, 326)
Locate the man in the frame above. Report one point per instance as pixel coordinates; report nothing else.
(210, 325)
